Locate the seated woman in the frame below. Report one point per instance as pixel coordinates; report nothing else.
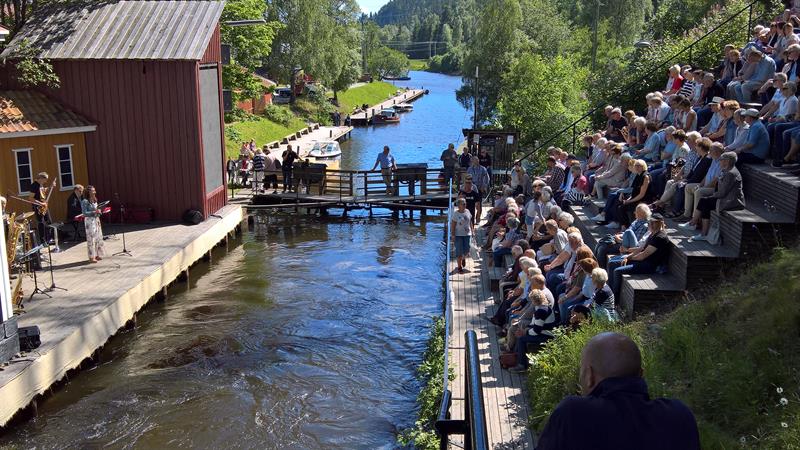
(620, 214)
(626, 241)
(602, 300)
(577, 191)
(539, 332)
(728, 195)
(648, 257)
(509, 209)
(582, 252)
(693, 173)
(510, 238)
(580, 291)
(520, 291)
(612, 176)
(614, 194)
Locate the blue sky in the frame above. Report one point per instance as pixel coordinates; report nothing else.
(371, 6)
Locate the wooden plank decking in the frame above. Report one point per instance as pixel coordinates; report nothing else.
(363, 118)
(101, 298)
(505, 397)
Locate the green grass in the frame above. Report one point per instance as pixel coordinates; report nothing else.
(370, 93)
(262, 130)
(419, 64)
(727, 356)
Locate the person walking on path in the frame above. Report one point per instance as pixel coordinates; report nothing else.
(462, 228)
(288, 156)
(449, 160)
(616, 411)
(259, 163)
(386, 161)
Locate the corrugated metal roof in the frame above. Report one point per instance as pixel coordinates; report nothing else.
(127, 29)
(22, 111)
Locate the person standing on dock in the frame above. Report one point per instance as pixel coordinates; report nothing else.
(388, 164)
(480, 176)
(259, 162)
(473, 197)
(449, 160)
(462, 227)
(288, 156)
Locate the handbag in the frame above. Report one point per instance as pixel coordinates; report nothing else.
(508, 360)
(607, 240)
(575, 197)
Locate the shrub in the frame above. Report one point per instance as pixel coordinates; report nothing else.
(278, 114)
(731, 357)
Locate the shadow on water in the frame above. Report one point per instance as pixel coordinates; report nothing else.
(307, 335)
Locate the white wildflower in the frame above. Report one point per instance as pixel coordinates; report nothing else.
(742, 440)
(784, 401)
(784, 425)
(779, 390)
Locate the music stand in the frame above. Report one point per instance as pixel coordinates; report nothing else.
(124, 251)
(27, 258)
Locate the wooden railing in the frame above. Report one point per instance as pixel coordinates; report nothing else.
(361, 185)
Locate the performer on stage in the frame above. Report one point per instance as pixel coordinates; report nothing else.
(74, 208)
(94, 231)
(41, 195)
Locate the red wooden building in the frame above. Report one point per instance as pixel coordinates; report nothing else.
(148, 73)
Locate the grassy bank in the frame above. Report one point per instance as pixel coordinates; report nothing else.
(732, 357)
(370, 93)
(305, 109)
(419, 64)
(261, 129)
(423, 436)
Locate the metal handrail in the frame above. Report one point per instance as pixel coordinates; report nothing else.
(473, 426)
(649, 73)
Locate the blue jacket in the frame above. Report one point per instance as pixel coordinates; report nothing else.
(619, 415)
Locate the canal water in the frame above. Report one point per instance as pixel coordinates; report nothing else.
(306, 335)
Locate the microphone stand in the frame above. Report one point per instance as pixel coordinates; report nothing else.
(53, 286)
(124, 251)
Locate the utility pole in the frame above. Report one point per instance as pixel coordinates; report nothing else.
(475, 118)
(594, 37)
(363, 47)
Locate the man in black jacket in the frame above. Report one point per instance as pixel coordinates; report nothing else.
(616, 411)
(74, 209)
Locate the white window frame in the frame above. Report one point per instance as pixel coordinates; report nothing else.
(16, 167)
(71, 167)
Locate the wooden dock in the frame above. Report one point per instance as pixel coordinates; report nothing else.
(101, 298)
(365, 117)
(303, 140)
(504, 395)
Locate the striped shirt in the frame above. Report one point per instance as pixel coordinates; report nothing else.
(544, 321)
(259, 162)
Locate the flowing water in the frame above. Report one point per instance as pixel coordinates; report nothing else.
(306, 335)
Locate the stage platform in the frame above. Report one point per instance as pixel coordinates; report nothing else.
(101, 298)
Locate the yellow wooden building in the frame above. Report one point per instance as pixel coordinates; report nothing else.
(38, 134)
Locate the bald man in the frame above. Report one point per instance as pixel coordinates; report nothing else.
(616, 411)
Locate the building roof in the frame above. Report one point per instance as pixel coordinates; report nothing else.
(29, 113)
(125, 29)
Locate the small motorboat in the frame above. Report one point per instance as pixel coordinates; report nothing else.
(403, 107)
(400, 78)
(387, 116)
(325, 149)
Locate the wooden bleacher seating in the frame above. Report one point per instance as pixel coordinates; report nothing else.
(773, 209)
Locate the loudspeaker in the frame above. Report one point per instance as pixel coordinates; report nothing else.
(192, 217)
(29, 338)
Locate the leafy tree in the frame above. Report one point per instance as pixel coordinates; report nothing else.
(540, 96)
(250, 45)
(388, 62)
(493, 50)
(30, 70)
